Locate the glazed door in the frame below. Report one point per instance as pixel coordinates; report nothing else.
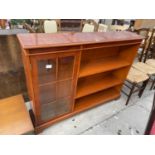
(53, 79)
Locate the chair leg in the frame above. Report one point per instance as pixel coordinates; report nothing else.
(131, 91)
(141, 56)
(143, 87)
(152, 84)
(146, 55)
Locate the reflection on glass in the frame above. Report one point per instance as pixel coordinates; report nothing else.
(64, 88)
(65, 67)
(46, 71)
(47, 93)
(54, 109)
(55, 90)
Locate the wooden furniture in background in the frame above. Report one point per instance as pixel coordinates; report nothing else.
(144, 23)
(50, 26)
(147, 69)
(14, 117)
(68, 73)
(12, 76)
(39, 25)
(119, 27)
(144, 44)
(3, 23)
(102, 28)
(136, 82)
(89, 26)
(150, 51)
(71, 25)
(29, 28)
(151, 63)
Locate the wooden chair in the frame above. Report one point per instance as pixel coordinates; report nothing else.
(144, 45)
(89, 26)
(51, 26)
(151, 62)
(119, 27)
(115, 27)
(29, 28)
(102, 28)
(136, 82)
(147, 69)
(118, 22)
(150, 51)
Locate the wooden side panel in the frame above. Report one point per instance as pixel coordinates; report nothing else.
(127, 53)
(30, 86)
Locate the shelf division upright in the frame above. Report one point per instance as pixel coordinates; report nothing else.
(68, 73)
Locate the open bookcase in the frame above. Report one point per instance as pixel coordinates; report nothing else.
(68, 73)
(101, 75)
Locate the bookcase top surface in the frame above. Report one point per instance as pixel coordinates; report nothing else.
(45, 40)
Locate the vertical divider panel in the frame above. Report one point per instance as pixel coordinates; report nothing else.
(77, 70)
(57, 65)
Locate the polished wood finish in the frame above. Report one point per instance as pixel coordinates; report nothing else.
(96, 66)
(41, 40)
(96, 99)
(68, 73)
(96, 83)
(14, 117)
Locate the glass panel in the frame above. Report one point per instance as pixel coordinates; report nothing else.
(64, 88)
(65, 67)
(47, 93)
(46, 71)
(55, 90)
(56, 108)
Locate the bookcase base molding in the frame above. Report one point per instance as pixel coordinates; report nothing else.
(40, 128)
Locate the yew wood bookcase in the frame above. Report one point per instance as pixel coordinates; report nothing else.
(68, 73)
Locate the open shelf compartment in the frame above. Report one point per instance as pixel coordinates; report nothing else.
(101, 65)
(96, 99)
(95, 83)
(100, 60)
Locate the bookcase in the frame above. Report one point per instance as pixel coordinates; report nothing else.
(68, 73)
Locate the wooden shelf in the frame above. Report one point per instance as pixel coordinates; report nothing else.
(95, 99)
(89, 86)
(101, 65)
